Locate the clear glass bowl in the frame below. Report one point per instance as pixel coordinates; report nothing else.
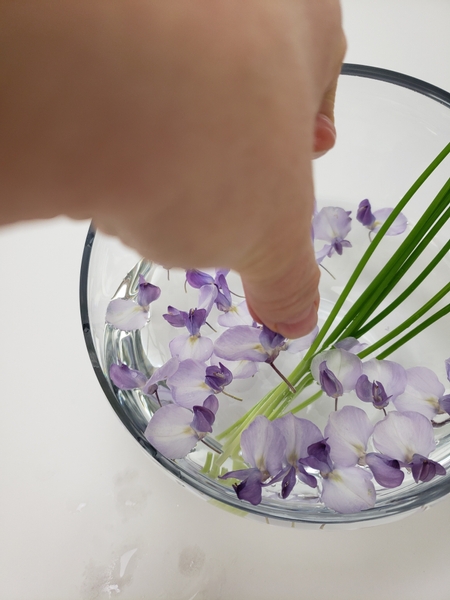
(390, 127)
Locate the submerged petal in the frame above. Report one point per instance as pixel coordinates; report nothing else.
(126, 315)
(125, 378)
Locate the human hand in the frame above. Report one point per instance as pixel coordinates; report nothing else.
(188, 129)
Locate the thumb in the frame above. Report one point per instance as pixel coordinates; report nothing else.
(282, 289)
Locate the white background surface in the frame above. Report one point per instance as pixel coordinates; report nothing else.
(85, 514)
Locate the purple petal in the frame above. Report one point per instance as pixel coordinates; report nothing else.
(424, 469)
(207, 297)
(288, 483)
(250, 488)
(203, 419)
(125, 378)
(447, 368)
(327, 250)
(364, 213)
(191, 346)
(386, 471)
(346, 367)
(126, 315)
(195, 319)
(198, 279)
(217, 377)
(319, 457)
(211, 403)
(270, 339)
(147, 292)
(240, 343)
(401, 435)
(170, 431)
(175, 317)
(305, 477)
(263, 446)
(348, 490)
(444, 403)
(165, 371)
(329, 383)
(299, 435)
(223, 300)
(348, 431)
(242, 369)
(372, 392)
(422, 392)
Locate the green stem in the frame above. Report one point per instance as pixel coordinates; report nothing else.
(407, 323)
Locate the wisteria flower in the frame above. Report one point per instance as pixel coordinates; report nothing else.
(331, 224)
(132, 314)
(344, 489)
(382, 381)
(125, 378)
(423, 393)
(409, 438)
(337, 371)
(348, 431)
(244, 342)
(192, 344)
(263, 448)
(242, 369)
(350, 344)
(203, 281)
(299, 434)
(374, 221)
(193, 382)
(174, 430)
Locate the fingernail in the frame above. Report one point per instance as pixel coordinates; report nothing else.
(300, 326)
(324, 135)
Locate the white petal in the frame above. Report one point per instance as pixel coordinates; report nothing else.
(398, 226)
(303, 343)
(400, 435)
(188, 385)
(331, 222)
(389, 373)
(348, 490)
(170, 432)
(263, 445)
(348, 431)
(237, 315)
(191, 346)
(207, 297)
(422, 392)
(126, 315)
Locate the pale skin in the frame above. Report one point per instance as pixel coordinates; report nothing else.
(185, 127)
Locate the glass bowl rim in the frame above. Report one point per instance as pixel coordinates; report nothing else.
(436, 492)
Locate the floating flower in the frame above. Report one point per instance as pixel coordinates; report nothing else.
(263, 448)
(344, 489)
(374, 221)
(382, 381)
(331, 224)
(128, 314)
(299, 434)
(193, 382)
(408, 437)
(174, 430)
(345, 369)
(423, 393)
(348, 431)
(192, 344)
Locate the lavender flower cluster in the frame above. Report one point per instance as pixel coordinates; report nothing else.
(340, 463)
